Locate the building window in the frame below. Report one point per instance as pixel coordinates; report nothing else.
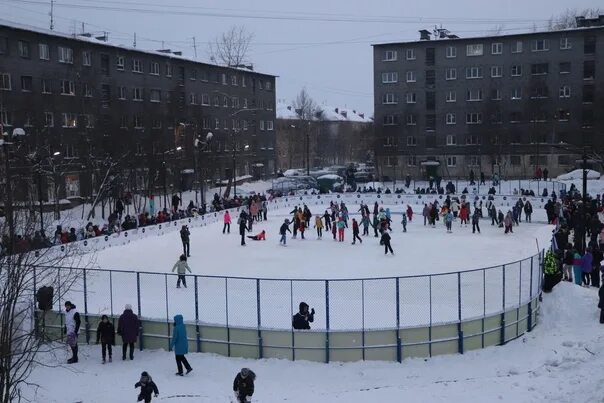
(193, 98)
(233, 79)
(138, 122)
(565, 91)
(588, 94)
(430, 122)
(474, 161)
(516, 94)
(120, 62)
(5, 82)
(46, 86)
(390, 120)
(515, 117)
(473, 118)
(26, 83)
(411, 54)
(244, 103)
(216, 123)
(154, 68)
(411, 120)
(564, 67)
(193, 75)
(235, 102)
(389, 141)
(156, 124)
(451, 52)
(86, 58)
(540, 45)
(496, 48)
(472, 140)
(70, 120)
(123, 122)
(496, 71)
(451, 161)
(168, 70)
(137, 66)
(589, 45)
(589, 70)
(121, 93)
(451, 96)
(450, 118)
(269, 125)
(5, 118)
(225, 102)
(474, 49)
(390, 56)
(473, 72)
(23, 48)
(565, 44)
(65, 55)
(224, 79)
(388, 78)
(517, 47)
(411, 97)
(391, 161)
(539, 92)
(411, 141)
(155, 95)
(88, 121)
(43, 51)
(261, 125)
(389, 98)
(495, 94)
(497, 118)
(451, 140)
(87, 91)
(411, 77)
(516, 70)
(539, 69)
(205, 99)
(137, 94)
(411, 161)
(49, 119)
(451, 73)
(67, 87)
(473, 95)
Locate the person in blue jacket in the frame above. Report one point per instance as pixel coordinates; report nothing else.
(180, 345)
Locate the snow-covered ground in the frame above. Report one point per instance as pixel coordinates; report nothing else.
(560, 361)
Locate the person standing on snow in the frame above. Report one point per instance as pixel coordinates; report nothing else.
(409, 213)
(184, 237)
(476, 221)
(508, 222)
(283, 232)
(242, 226)
(105, 333)
(601, 302)
(327, 218)
(302, 320)
(404, 222)
(227, 222)
(147, 386)
(355, 231)
(72, 327)
(243, 385)
(181, 268)
(180, 344)
(365, 222)
(448, 219)
(385, 240)
(341, 225)
(128, 327)
(319, 226)
(528, 211)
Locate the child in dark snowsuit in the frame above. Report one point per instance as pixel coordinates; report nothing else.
(147, 388)
(404, 222)
(243, 385)
(105, 333)
(385, 240)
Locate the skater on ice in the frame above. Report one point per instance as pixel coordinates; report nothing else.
(319, 226)
(227, 222)
(258, 237)
(283, 230)
(181, 267)
(355, 231)
(184, 237)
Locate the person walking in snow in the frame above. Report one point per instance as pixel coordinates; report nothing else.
(385, 240)
(148, 387)
(464, 213)
(476, 221)
(365, 222)
(404, 222)
(181, 268)
(227, 222)
(327, 218)
(355, 231)
(528, 211)
(180, 345)
(71, 329)
(319, 226)
(105, 333)
(283, 230)
(341, 224)
(409, 213)
(302, 228)
(448, 219)
(426, 213)
(243, 385)
(508, 222)
(184, 237)
(567, 263)
(586, 267)
(128, 327)
(243, 226)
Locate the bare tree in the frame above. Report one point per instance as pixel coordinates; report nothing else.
(305, 107)
(23, 343)
(232, 47)
(568, 18)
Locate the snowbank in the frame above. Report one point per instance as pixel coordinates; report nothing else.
(578, 174)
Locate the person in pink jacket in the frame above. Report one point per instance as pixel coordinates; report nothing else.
(227, 222)
(254, 210)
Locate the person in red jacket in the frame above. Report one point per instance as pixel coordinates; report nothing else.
(409, 213)
(258, 237)
(464, 214)
(355, 231)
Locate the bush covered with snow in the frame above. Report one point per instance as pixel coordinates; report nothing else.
(577, 174)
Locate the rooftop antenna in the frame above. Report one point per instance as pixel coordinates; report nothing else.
(52, 9)
(195, 47)
(134, 44)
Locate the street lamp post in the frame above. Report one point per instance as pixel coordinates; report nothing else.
(8, 205)
(199, 147)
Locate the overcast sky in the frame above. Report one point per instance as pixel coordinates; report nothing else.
(293, 40)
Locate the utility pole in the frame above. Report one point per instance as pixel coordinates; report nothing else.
(134, 44)
(195, 47)
(52, 14)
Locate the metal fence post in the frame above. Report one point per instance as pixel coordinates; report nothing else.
(111, 293)
(60, 306)
(291, 315)
(363, 319)
(197, 334)
(459, 326)
(260, 354)
(502, 335)
(226, 305)
(167, 312)
(87, 324)
(430, 327)
(138, 299)
(399, 352)
(530, 304)
(326, 321)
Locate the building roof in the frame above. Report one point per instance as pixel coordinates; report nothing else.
(93, 40)
(487, 37)
(332, 114)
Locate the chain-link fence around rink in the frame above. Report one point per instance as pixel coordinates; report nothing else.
(359, 304)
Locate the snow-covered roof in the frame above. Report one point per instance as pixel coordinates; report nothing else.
(330, 113)
(93, 40)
